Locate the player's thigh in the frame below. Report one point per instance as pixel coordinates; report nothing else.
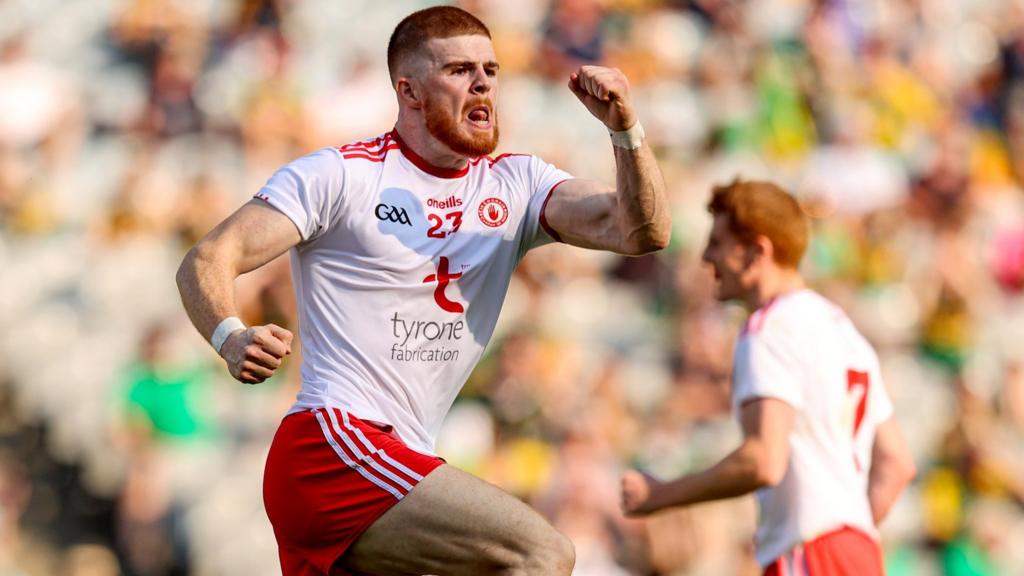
(454, 523)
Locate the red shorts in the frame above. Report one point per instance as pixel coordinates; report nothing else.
(329, 476)
(843, 552)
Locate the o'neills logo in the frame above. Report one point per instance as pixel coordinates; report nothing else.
(450, 202)
(425, 340)
(493, 212)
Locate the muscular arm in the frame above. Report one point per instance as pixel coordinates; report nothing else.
(892, 468)
(761, 460)
(246, 240)
(634, 217)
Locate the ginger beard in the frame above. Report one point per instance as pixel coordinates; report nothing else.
(460, 140)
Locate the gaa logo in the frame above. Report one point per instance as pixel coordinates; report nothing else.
(392, 214)
(493, 212)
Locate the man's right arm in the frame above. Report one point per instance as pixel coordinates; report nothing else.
(633, 218)
(892, 468)
(246, 240)
(762, 460)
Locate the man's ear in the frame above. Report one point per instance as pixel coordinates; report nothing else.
(409, 93)
(761, 250)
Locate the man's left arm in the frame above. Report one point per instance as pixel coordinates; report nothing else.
(760, 461)
(634, 217)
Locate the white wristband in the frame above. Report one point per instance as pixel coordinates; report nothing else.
(629, 139)
(224, 329)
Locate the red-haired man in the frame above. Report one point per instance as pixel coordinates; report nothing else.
(402, 250)
(820, 446)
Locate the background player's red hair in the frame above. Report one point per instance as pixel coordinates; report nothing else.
(763, 209)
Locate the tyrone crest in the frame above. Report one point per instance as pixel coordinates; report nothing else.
(493, 212)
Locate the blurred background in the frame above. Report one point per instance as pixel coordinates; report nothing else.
(128, 128)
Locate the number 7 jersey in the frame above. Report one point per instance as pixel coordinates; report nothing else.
(802, 349)
(401, 273)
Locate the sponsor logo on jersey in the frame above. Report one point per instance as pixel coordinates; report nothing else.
(493, 212)
(431, 340)
(446, 204)
(394, 214)
(424, 340)
(443, 277)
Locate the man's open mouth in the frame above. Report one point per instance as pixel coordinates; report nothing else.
(480, 116)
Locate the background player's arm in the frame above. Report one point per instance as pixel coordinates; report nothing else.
(254, 235)
(760, 461)
(634, 217)
(892, 468)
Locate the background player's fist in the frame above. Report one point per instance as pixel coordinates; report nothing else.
(636, 493)
(605, 93)
(255, 353)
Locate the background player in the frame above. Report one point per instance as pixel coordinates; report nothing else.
(820, 446)
(402, 250)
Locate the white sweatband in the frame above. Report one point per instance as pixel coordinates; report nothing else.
(224, 329)
(629, 139)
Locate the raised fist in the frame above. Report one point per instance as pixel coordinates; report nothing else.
(605, 92)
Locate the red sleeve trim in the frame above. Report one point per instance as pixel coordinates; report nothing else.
(543, 218)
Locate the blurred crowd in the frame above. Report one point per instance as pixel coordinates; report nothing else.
(130, 127)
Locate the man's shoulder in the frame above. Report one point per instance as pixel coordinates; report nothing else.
(526, 173)
(505, 164)
(315, 161)
(789, 316)
(368, 152)
(508, 159)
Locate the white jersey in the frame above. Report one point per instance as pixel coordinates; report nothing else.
(802, 349)
(401, 272)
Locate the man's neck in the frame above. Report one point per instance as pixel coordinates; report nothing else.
(779, 282)
(416, 137)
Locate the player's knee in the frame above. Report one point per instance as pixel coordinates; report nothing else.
(564, 555)
(552, 554)
(536, 549)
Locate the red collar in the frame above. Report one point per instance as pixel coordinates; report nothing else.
(427, 166)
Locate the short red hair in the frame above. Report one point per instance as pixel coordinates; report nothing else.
(763, 209)
(437, 22)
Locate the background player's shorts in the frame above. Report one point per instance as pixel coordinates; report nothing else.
(843, 552)
(329, 476)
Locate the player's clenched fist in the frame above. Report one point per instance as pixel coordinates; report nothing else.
(255, 353)
(636, 493)
(605, 93)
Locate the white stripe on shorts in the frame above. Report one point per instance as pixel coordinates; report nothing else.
(348, 461)
(347, 438)
(373, 450)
